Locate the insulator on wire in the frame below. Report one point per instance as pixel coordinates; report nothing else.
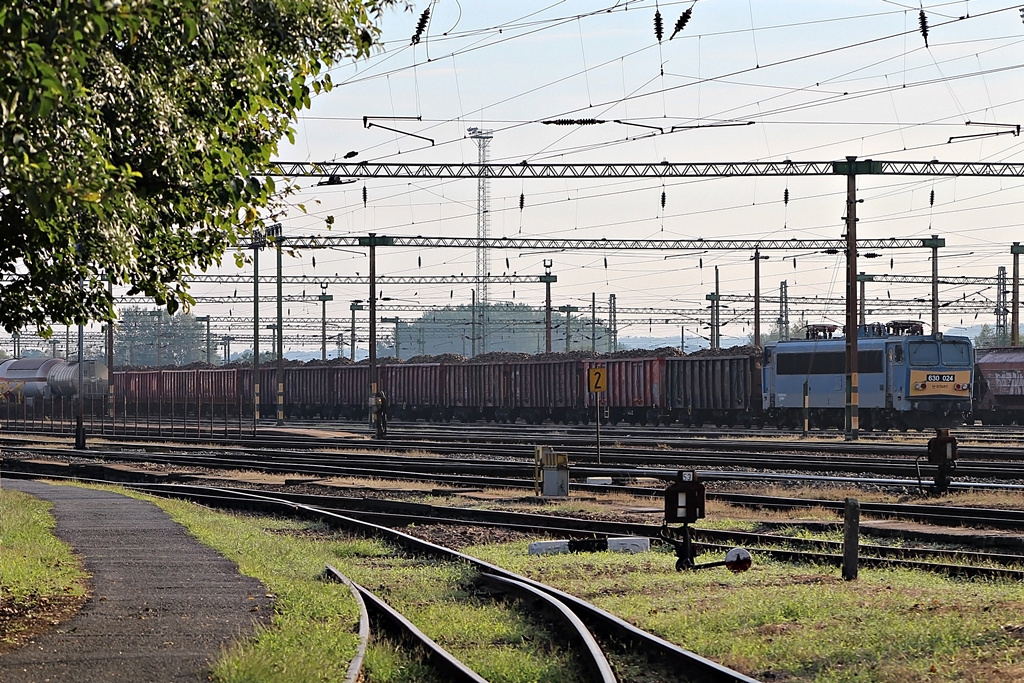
(785, 196)
(573, 122)
(421, 26)
(892, 263)
(931, 199)
(522, 200)
(364, 196)
(923, 21)
(419, 261)
(663, 199)
(314, 260)
(606, 263)
(794, 263)
(700, 262)
(659, 29)
(681, 22)
(508, 266)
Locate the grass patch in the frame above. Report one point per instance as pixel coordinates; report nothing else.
(802, 623)
(41, 581)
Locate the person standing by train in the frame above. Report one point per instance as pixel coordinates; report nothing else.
(382, 415)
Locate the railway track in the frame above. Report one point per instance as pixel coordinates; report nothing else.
(397, 513)
(477, 458)
(618, 636)
(1004, 444)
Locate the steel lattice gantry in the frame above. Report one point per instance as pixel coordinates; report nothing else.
(537, 243)
(513, 279)
(665, 169)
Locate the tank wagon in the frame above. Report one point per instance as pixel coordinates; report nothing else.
(31, 380)
(1000, 380)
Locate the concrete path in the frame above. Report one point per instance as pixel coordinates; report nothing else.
(162, 605)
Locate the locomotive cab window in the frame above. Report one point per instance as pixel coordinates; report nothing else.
(956, 353)
(923, 353)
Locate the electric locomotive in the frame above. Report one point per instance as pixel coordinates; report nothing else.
(907, 379)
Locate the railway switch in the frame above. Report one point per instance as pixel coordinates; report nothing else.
(551, 472)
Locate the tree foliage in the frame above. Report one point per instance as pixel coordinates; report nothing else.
(154, 338)
(133, 136)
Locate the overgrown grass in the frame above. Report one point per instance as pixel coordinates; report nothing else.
(41, 580)
(803, 623)
(32, 559)
(312, 637)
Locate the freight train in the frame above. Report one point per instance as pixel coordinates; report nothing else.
(999, 399)
(907, 380)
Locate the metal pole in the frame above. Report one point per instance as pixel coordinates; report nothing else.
(159, 339)
(255, 333)
(80, 418)
(935, 284)
(548, 279)
(568, 327)
(757, 298)
(209, 348)
(472, 324)
(1016, 250)
(718, 312)
(593, 324)
(568, 310)
(852, 399)
(324, 298)
(373, 338)
(352, 349)
(613, 324)
(280, 334)
(110, 359)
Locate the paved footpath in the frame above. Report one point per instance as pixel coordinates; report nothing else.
(161, 607)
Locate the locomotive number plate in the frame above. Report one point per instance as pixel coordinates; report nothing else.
(924, 383)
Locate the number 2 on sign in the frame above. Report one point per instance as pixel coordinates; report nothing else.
(596, 380)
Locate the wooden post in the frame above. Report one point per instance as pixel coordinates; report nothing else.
(851, 539)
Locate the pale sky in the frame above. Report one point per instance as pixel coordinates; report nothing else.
(817, 80)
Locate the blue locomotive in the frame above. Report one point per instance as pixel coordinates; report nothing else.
(907, 379)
